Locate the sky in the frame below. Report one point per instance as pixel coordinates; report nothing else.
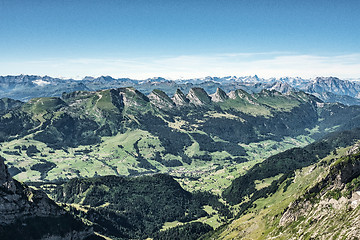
(180, 39)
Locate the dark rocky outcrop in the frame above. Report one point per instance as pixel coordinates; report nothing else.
(26, 213)
(7, 104)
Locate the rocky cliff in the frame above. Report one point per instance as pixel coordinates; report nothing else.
(329, 209)
(219, 96)
(26, 213)
(198, 96)
(160, 99)
(179, 98)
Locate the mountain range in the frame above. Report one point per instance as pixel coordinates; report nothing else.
(329, 89)
(184, 160)
(126, 132)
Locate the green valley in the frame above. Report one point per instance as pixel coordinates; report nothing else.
(123, 132)
(190, 166)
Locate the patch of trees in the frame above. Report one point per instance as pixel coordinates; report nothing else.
(142, 162)
(259, 128)
(14, 170)
(188, 231)
(17, 123)
(208, 144)
(16, 153)
(173, 141)
(44, 167)
(31, 150)
(67, 131)
(41, 227)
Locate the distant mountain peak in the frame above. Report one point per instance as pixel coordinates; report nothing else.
(238, 93)
(198, 96)
(160, 99)
(318, 79)
(282, 87)
(179, 98)
(156, 79)
(132, 97)
(219, 96)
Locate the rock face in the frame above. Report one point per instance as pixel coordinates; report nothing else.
(239, 93)
(219, 96)
(333, 98)
(198, 96)
(332, 203)
(160, 99)
(282, 87)
(132, 97)
(26, 213)
(180, 99)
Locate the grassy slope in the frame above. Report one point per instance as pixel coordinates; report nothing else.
(107, 158)
(260, 220)
(285, 163)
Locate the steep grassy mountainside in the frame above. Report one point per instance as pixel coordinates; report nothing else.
(123, 132)
(26, 213)
(134, 207)
(329, 209)
(319, 201)
(283, 164)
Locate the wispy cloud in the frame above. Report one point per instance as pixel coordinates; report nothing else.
(271, 64)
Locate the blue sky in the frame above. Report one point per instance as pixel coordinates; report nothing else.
(148, 38)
